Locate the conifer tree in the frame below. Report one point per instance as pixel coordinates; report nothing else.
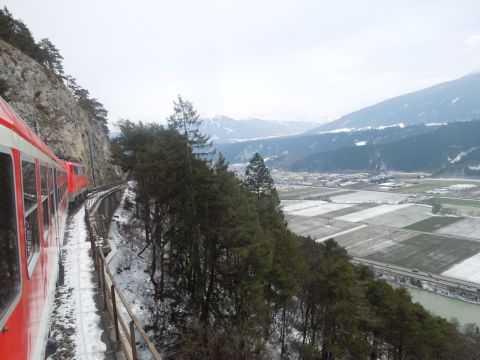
(258, 178)
(187, 122)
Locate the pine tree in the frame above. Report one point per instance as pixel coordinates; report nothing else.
(187, 122)
(258, 178)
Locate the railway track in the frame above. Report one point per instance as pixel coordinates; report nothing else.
(441, 280)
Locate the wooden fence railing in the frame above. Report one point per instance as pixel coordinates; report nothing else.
(126, 325)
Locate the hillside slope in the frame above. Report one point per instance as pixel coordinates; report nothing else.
(44, 102)
(295, 147)
(451, 149)
(449, 101)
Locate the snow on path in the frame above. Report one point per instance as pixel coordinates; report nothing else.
(468, 269)
(371, 212)
(76, 320)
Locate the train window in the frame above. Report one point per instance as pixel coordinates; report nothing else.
(9, 260)
(30, 201)
(43, 179)
(57, 186)
(44, 189)
(29, 185)
(51, 190)
(80, 170)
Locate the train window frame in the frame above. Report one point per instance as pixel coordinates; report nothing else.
(31, 262)
(19, 290)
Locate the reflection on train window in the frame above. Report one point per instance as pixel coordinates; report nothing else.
(29, 179)
(9, 261)
(51, 189)
(79, 170)
(44, 190)
(43, 179)
(29, 185)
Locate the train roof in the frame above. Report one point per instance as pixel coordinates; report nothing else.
(74, 163)
(10, 119)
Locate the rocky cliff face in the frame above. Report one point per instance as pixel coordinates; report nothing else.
(43, 101)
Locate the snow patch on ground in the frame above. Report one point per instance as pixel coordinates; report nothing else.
(468, 269)
(462, 186)
(461, 155)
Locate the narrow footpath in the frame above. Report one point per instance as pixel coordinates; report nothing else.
(76, 323)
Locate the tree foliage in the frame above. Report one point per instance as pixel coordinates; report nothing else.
(230, 280)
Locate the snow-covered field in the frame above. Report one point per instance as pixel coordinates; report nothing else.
(402, 217)
(319, 209)
(468, 227)
(468, 269)
(75, 322)
(372, 212)
(293, 205)
(377, 197)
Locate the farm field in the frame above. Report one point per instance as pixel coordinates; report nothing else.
(294, 205)
(311, 193)
(378, 225)
(444, 201)
(430, 253)
(372, 212)
(433, 223)
(316, 227)
(402, 217)
(467, 227)
(422, 186)
(349, 210)
(320, 209)
(371, 239)
(468, 270)
(378, 197)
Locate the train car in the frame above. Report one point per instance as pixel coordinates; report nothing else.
(33, 210)
(77, 181)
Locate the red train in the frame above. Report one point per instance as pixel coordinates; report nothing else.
(36, 187)
(77, 181)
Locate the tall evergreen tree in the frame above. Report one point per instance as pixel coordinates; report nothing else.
(187, 122)
(258, 178)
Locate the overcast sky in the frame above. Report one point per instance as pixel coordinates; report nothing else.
(311, 60)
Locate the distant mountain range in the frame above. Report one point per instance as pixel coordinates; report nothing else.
(449, 101)
(450, 149)
(424, 130)
(286, 150)
(224, 129)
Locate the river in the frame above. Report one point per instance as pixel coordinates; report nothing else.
(446, 307)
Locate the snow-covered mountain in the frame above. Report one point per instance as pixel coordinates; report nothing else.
(224, 129)
(446, 102)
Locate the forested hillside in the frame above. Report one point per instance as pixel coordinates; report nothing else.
(285, 150)
(450, 149)
(232, 282)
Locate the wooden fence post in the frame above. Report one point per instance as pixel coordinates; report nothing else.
(133, 343)
(115, 316)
